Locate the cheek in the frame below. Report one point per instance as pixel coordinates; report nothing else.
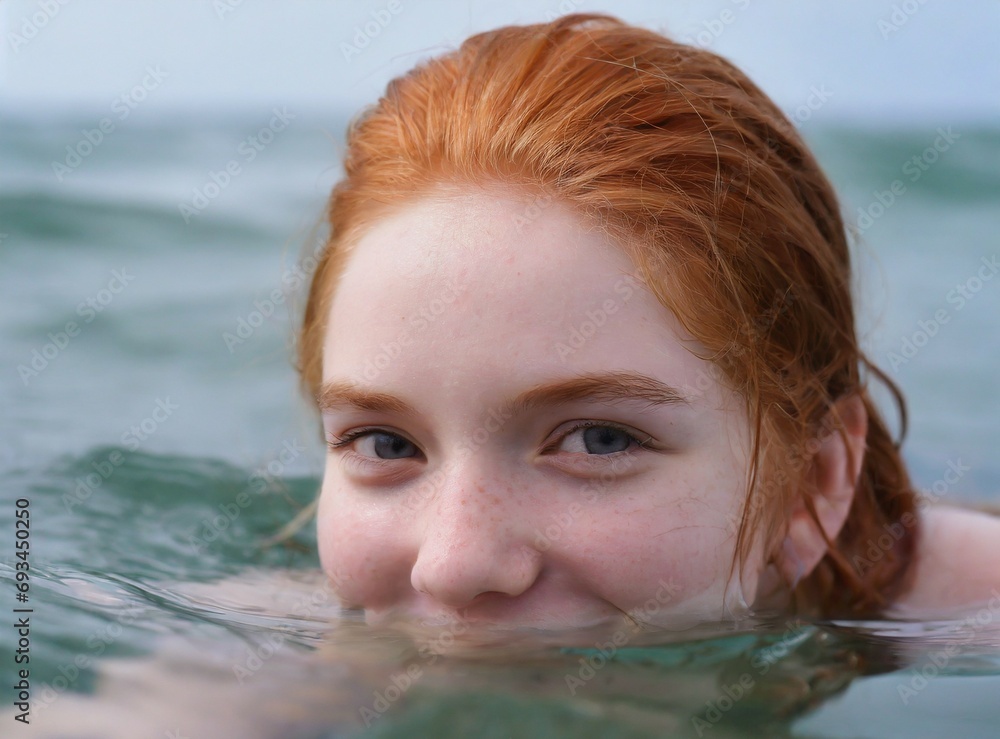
(330, 540)
(686, 556)
(362, 552)
(676, 554)
(343, 547)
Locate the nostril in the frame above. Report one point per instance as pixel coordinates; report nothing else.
(464, 555)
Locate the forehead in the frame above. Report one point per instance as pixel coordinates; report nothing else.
(500, 282)
(501, 238)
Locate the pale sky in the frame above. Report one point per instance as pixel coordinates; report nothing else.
(878, 59)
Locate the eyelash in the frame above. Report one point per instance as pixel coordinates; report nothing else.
(343, 441)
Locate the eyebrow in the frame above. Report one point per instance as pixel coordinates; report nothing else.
(606, 387)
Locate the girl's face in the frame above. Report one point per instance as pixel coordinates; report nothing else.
(523, 437)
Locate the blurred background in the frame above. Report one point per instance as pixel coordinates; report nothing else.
(164, 165)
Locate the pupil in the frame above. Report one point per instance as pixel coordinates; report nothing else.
(388, 446)
(596, 439)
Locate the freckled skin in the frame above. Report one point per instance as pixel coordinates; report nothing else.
(510, 534)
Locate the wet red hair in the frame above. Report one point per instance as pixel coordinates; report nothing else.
(698, 175)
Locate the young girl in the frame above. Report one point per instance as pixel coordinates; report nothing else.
(584, 348)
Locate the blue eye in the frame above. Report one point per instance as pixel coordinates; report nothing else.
(601, 439)
(390, 446)
(383, 444)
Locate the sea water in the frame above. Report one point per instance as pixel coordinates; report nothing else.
(152, 429)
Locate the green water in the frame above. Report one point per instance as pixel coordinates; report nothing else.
(160, 459)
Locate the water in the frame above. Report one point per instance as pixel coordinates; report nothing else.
(134, 434)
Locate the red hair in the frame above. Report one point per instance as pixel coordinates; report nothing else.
(698, 175)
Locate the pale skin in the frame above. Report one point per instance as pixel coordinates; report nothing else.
(444, 501)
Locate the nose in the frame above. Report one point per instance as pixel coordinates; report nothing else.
(474, 542)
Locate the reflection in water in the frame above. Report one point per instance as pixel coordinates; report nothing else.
(267, 654)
